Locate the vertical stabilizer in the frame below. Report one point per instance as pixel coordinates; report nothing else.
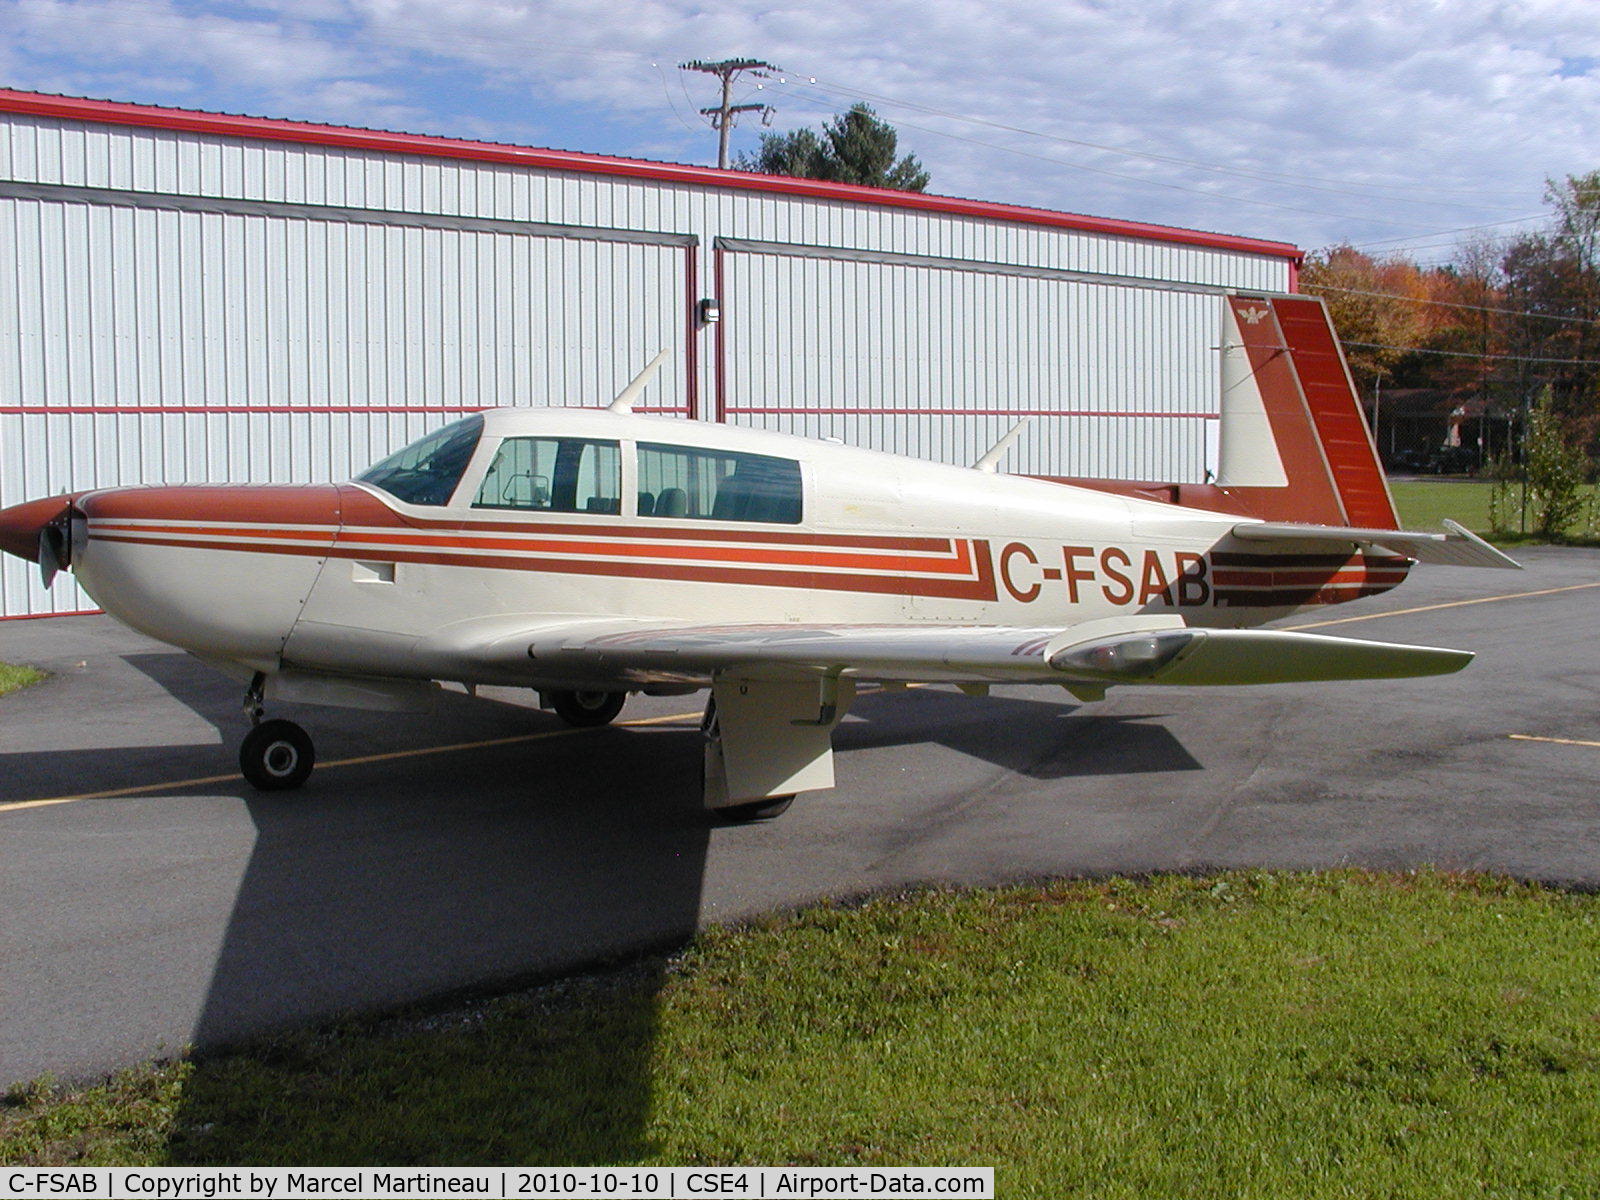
(1293, 439)
(1247, 451)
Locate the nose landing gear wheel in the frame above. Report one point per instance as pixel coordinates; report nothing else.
(276, 755)
(587, 708)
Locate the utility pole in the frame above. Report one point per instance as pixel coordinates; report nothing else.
(722, 116)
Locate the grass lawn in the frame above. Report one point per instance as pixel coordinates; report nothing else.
(1249, 1034)
(1424, 503)
(12, 678)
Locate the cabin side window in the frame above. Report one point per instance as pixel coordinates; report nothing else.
(717, 485)
(428, 470)
(570, 475)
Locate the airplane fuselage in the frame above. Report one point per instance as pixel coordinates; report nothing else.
(623, 517)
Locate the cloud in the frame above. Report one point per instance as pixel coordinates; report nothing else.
(165, 48)
(1330, 119)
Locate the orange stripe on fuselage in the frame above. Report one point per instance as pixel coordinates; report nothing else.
(955, 560)
(978, 585)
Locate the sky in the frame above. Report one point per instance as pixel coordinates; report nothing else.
(1393, 125)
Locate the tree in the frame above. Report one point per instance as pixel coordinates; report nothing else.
(800, 153)
(1556, 469)
(1372, 305)
(855, 147)
(1554, 278)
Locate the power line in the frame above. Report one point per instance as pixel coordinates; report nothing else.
(1175, 187)
(1300, 180)
(1570, 362)
(671, 103)
(437, 39)
(1443, 232)
(1511, 312)
(723, 115)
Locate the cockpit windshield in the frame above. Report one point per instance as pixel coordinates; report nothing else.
(427, 471)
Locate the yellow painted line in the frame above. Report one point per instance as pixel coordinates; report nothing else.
(201, 781)
(1529, 737)
(1402, 612)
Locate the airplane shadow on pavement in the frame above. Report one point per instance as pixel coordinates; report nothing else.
(440, 877)
(431, 878)
(1041, 739)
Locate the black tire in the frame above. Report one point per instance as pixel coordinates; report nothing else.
(276, 756)
(587, 708)
(756, 810)
(737, 814)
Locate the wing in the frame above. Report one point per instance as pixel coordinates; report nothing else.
(1459, 547)
(780, 689)
(1087, 657)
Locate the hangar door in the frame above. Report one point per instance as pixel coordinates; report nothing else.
(152, 338)
(938, 358)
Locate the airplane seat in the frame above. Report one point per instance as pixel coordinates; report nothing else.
(672, 502)
(647, 503)
(783, 509)
(605, 504)
(733, 500)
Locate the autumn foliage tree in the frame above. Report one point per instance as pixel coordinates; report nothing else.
(1374, 306)
(1503, 321)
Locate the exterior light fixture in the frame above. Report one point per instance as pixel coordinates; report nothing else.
(710, 312)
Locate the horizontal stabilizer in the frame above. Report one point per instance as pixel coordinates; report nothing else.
(1459, 547)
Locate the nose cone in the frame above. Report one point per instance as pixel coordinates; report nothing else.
(220, 570)
(21, 524)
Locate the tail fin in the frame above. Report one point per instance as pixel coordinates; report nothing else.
(1294, 442)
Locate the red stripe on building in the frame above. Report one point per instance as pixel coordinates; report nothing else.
(76, 612)
(968, 412)
(206, 410)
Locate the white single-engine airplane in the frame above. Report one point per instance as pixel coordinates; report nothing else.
(590, 553)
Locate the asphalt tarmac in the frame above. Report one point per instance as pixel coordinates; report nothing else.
(486, 844)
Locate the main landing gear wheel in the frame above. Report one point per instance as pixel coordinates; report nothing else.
(587, 708)
(276, 755)
(711, 760)
(756, 810)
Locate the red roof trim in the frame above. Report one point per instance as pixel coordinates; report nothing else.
(110, 112)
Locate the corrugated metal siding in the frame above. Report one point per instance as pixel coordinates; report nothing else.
(286, 339)
(49, 151)
(939, 363)
(289, 328)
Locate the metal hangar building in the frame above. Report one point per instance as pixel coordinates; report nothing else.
(190, 296)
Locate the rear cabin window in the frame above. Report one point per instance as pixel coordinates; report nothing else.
(569, 475)
(427, 471)
(717, 485)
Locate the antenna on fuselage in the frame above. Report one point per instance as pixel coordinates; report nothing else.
(990, 462)
(625, 398)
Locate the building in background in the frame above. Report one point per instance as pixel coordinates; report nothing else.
(189, 296)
